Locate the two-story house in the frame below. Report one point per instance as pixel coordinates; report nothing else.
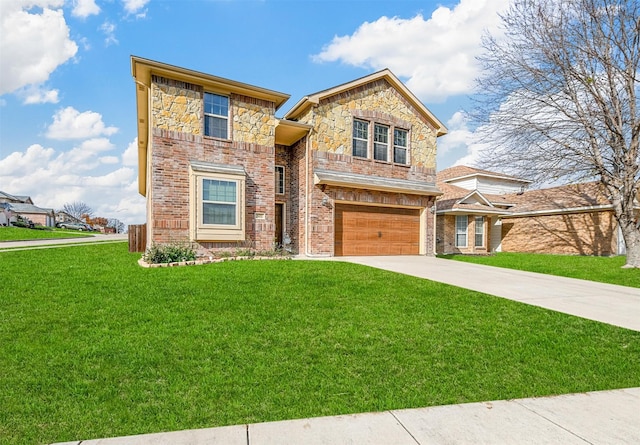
(347, 171)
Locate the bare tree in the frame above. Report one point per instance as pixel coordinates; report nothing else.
(116, 224)
(559, 98)
(78, 209)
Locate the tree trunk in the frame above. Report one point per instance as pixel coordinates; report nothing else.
(631, 236)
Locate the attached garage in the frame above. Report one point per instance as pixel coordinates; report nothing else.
(368, 230)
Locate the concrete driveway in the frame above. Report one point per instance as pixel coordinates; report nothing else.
(616, 305)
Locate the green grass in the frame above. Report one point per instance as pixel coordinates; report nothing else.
(22, 234)
(601, 269)
(92, 345)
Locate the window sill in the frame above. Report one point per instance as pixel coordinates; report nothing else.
(213, 138)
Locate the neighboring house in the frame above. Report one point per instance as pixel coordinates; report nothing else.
(5, 214)
(23, 206)
(482, 212)
(347, 171)
(62, 216)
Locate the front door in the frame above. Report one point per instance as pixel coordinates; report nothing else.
(279, 226)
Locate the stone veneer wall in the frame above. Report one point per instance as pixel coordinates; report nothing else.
(592, 233)
(179, 106)
(333, 117)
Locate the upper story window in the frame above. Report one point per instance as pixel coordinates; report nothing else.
(279, 180)
(400, 145)
(216, 115)
(373, 140)
(380, 142)
(360, 138)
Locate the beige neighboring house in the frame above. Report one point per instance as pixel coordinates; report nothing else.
(15, 205)
(349, 170)
(482, 212)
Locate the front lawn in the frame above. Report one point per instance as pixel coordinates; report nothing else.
(24, 234)
(601, 269)
(92, 345)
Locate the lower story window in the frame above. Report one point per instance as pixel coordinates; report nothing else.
(479, 231)
(217, 202)
(461, 230)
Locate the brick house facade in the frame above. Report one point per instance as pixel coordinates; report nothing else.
(347, 171)
(575, 219)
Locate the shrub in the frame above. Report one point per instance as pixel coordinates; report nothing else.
(169, 253)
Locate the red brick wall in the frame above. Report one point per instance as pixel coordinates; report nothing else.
(446, 236)
(170, 158)
(323, 198)
(576, 234)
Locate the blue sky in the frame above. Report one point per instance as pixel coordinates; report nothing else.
(67, 110)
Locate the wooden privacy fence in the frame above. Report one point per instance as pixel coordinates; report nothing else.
(137, 238)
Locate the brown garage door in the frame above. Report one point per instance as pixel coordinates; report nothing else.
(364, 230)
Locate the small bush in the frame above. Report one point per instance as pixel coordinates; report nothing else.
(169, 253)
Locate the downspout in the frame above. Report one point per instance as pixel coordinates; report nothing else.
(306, 196)
(435, 225)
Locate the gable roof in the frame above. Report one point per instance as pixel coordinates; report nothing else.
(16, 198)
(315, 98)
(28, 208)
(567, 198)
(464, 171)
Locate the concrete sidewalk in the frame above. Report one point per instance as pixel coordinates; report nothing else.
(604, 417)
(61, 242)
(607, 303)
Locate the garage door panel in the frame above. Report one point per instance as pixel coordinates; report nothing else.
(365, 230)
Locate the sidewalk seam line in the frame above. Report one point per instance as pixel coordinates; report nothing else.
(404, 427)
(551, 421)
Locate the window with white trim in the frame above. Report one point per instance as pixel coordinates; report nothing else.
(216, 115)
(217, 202)
(279, 180)
(479, 231)
(400, 138)
(461, 230)
(380, 142)
(360, 138)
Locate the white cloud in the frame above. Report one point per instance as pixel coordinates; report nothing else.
(135, 7)
(109, 159)
(37, 94)
(109, 30)
(17, 163)
(130, 155)
(32, 45)
(53, 178)
(436, 54)
(461, 143)
(69, 123)
(85, 8)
